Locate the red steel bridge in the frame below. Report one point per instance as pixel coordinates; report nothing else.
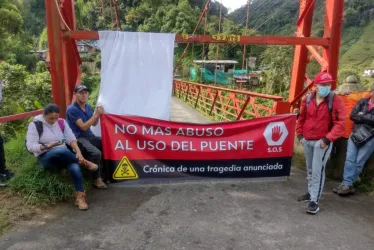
(226, 104)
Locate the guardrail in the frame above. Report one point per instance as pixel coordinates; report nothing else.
(223, 104)
(20, 116)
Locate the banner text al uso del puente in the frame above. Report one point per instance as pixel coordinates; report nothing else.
(151, 148)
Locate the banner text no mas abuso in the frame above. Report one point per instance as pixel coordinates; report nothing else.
(150, 148)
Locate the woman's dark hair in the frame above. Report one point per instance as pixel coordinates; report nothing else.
(51, 108)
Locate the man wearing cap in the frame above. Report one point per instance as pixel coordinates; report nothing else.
(321, 122)
(80, 118)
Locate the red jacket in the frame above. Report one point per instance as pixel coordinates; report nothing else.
(314, 123)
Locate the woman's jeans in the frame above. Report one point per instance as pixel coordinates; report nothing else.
(355, 160)
(63, 157)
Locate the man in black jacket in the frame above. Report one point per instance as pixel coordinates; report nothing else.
(360, 143)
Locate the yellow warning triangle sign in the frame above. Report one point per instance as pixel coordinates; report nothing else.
(125, 171)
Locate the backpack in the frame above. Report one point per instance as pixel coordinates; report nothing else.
(39, 128)
(331, 100)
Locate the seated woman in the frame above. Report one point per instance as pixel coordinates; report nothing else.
(47, 137)
(360, 144)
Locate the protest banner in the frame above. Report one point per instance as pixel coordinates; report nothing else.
(151, 148)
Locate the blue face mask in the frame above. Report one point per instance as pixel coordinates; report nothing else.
(324, 91)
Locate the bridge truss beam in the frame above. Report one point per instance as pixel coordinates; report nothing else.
(65, 61)
(329, 60)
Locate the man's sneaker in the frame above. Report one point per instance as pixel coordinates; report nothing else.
(304, 197)
(8, 175)
(98, 183)
(3, 180)
(336, 189)
(313, 208)
(346, 190)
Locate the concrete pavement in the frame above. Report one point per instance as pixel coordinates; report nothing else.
(248, 214)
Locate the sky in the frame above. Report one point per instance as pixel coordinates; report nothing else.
(233, 4)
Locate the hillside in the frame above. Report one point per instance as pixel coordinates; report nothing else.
(278, 17)
(361, 54)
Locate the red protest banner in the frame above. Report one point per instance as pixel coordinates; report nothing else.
(145, 147)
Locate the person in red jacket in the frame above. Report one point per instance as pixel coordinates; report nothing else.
(321, 122)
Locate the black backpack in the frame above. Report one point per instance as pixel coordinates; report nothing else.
(331, 100)
(39, 128)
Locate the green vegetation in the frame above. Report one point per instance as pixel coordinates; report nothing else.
(16, 79)
(31, 181)
(361, 54)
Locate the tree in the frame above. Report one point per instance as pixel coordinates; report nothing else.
(279, 61)
(10, 23)
(22, 92)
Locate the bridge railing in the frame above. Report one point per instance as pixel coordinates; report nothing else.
(20, 116)
(223, 104)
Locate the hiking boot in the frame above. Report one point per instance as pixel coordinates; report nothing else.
(304, 197)
(98, 183)
(336, 189)
(81, 201)
(346, 190)
(90, 166)
(313, 208)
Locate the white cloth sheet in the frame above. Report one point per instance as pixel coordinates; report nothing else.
(136, 74)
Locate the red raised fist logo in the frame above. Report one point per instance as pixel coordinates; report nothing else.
(276, 133)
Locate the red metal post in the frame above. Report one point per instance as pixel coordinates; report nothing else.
(301, 52)
(333, 28)
(198, 96)
(243, 108)
(111, 13)
(103, 9)
(71, 57)
(56, 54)
(245, 33)
(21, 116)
(118, 20)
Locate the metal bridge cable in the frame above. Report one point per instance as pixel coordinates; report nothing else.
(196, 27)
(255, 29)
(67, 26)
(62, 18)
(253, 11)
(242, 19)
(245, 33)
(276, 12)
(219, 30)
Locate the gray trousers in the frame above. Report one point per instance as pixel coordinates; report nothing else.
(316, 159)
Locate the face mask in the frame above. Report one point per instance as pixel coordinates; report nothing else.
(324, 91)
